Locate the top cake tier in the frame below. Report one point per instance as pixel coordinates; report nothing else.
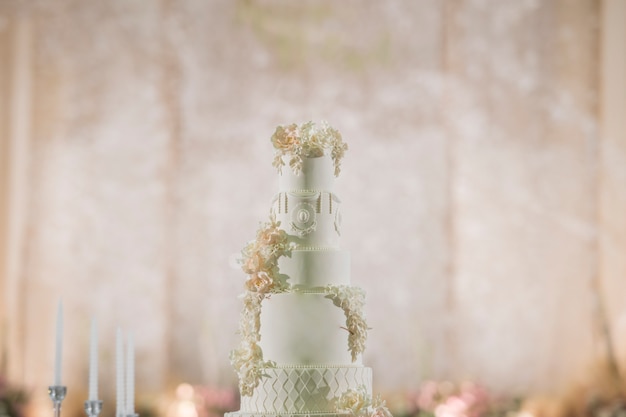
(306, 207)
(316, 174)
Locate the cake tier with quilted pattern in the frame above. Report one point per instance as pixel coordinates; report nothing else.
(250, 414)
(297, 390)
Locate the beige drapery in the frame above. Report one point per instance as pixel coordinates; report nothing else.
(484, 203)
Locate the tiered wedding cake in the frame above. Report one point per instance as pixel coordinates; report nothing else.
(302, 325)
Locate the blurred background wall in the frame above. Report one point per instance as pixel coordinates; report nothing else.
(484, 190)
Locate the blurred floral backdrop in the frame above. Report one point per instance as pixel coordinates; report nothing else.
(483, 197)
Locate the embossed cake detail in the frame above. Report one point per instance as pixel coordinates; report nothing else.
(306, 389)
(302, 326)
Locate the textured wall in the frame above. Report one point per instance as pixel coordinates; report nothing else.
(471, 189)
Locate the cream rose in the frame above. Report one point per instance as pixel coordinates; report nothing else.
(352, 401)
(272, 236)
(259, 282)
(286, 137)
(253, 263)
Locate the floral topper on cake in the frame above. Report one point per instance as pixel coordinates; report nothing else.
(308, 140)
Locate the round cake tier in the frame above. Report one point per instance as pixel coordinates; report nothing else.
(304, 329)
(305, 389)
(316, 268)
(308, 414)
(317, 174)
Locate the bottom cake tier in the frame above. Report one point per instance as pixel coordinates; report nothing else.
(303, 390)
(250, 414)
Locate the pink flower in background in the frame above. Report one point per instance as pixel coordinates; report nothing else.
(453, 407)
(469, 400)
(214, 401)
(428, 396)
(445, 399)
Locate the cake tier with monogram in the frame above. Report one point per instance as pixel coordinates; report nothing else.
(302, 326)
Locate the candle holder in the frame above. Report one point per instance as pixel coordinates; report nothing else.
(93, 407)
(57, 394)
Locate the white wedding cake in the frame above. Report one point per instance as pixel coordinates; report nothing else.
(302, 326)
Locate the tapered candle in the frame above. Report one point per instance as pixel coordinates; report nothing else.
(130, 375)
(119, 374)
(93, 361)
(59, 345)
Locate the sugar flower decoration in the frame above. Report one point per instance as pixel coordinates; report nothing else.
(379, 408)
(247, 359)
(309, 140)
(260, 262)
(358, 403)
(353, 401)
(351, 300)
(260, 259)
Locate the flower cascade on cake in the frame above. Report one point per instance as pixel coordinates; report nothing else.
(302, 325)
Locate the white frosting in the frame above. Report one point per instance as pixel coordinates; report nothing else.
(317, 174)
(312, 219)
(308, 269)
(304, 329)
(305, 389)
(305, 414)
(306, 206)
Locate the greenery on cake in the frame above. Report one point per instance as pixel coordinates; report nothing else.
(308, 140)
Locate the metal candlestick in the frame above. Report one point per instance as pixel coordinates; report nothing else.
(57, 394)
(93, 407)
